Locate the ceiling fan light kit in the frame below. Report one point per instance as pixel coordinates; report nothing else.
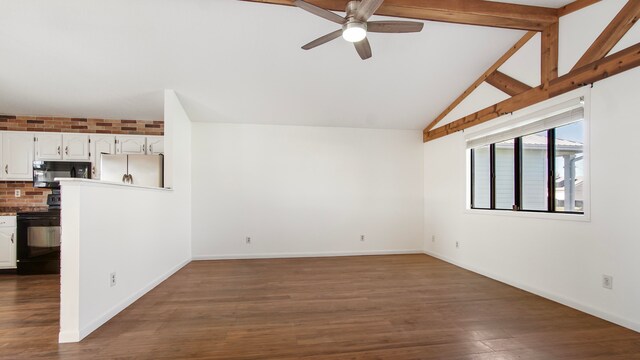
(355, 25)
(354, 31)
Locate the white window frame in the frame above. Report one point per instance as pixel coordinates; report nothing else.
(521, 118)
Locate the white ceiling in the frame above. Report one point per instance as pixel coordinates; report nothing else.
(230, 61)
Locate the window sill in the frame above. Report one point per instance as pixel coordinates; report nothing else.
(532, 215)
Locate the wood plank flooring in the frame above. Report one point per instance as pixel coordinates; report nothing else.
(373, 307)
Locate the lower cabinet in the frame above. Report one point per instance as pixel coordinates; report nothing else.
(7, 242)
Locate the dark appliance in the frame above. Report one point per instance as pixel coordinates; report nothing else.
(45, 172)
(38, 242)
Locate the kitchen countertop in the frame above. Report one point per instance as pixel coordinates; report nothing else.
(13, 210)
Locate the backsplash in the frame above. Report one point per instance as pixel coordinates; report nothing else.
(80, 125)
(32, 198)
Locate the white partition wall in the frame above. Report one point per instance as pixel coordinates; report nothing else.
(140, 235)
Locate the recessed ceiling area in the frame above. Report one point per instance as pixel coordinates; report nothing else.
(232, 62)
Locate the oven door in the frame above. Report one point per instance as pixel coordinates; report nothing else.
(38, 243)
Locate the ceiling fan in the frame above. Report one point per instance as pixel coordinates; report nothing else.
(355, 25)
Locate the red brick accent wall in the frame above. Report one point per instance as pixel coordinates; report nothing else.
(36, 199)
(80, 125)
(31, 199)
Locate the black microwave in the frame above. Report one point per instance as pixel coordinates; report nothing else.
(45, 172)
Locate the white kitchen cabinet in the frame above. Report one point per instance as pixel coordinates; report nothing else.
(76, 146)
(155, 145)
(131, 144)
(48, 146)
(17, 156)
(7, 242)
(100, 144)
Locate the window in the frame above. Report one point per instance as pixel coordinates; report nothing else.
(481, 194)
(569, 164)
(535, 170)
(505, 175)
(537, 167)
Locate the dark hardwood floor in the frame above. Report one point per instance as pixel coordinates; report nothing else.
(374, 307)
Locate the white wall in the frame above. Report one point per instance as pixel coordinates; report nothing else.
(304, 191)
(141, 234)
(560, 259)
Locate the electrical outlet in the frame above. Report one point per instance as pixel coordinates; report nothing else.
(112, 279)
(361, 237)
(607, 282)
(17, 193)
(457, 244)
(247, 240)
(433, 238)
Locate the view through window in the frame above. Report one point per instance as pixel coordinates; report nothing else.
(541, 171)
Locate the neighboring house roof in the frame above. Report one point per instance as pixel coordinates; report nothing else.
(539, 141)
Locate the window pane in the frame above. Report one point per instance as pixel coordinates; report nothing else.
(481, 178)
(569, 174)
(535, 169)
(505, 175)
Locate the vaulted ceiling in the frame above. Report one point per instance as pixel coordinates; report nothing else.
(231, 61)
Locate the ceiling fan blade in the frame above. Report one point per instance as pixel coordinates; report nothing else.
(320, 12)
(363, 48)
(367, 8)
(323, 39)
(394, 26)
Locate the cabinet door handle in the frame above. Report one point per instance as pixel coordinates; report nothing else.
(93, 170)
(144, 148)
(124, 178)
(58, 150)
(12, 236)
(130, 179)
(66, 150)
(6, 169)
(151, 149)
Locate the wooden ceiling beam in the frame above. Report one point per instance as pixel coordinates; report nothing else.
(575, 6)
(549, 50)
(470, 12)
(612, 34)
(482, 78)
(588, 74)
(507, 84)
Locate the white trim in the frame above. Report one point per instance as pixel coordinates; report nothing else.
(108, 184)
(545, 294)
(76, 336)
(531, 214)
(306, 254)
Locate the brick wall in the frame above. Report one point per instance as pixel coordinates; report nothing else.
(30, 199)
(36, 199)
(80, 125)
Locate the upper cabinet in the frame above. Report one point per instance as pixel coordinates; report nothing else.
(76, 146)
(17, 156)
(18, 150)
(48, 146)
(131, 144)
(56, 146)
(100, 144)
(155, 145)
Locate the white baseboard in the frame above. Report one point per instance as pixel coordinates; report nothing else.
(305, 254)
(554, 297)
(75, 336)
(68, 336)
